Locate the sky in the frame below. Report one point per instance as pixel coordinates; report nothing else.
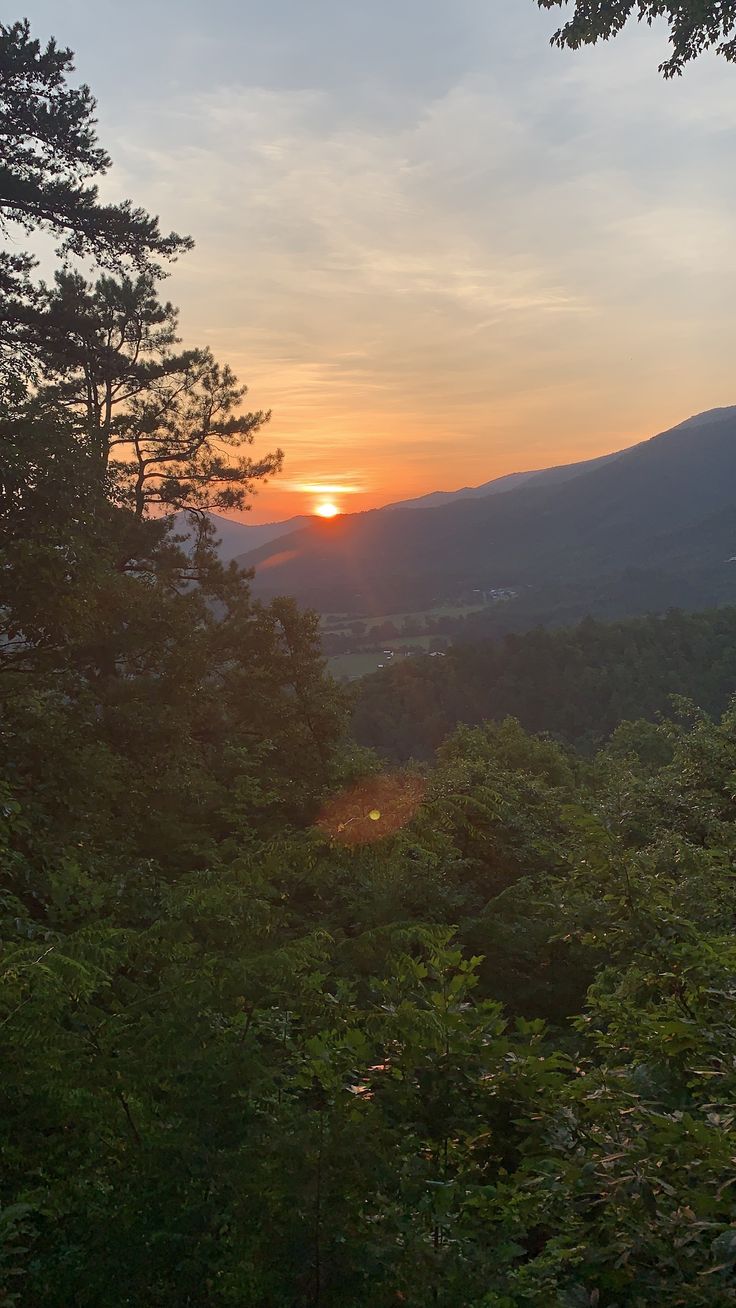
(436, 248)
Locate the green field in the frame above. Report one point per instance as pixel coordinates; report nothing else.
(343, 622)
(416, 642)
(345, 667)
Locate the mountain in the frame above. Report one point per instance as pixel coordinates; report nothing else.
(236, 538)
(666, 505)
(499, 485)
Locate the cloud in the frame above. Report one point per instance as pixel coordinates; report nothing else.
(421, 231)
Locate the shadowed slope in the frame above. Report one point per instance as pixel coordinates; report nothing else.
(665, 502)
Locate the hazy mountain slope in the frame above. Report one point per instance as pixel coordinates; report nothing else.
(495, 487)
(240, 537)
(629, 510)
(500, 485)
(237, 538)
(708, 416)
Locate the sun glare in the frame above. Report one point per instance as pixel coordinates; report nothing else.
(327, 510)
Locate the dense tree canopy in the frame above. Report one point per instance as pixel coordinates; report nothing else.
(273, 1071)
(577, 684)
(694, 25)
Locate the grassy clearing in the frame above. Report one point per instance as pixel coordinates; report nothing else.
(417, 642)
(343, 622)
(346, 667)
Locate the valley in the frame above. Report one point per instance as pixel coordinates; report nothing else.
(356, 646)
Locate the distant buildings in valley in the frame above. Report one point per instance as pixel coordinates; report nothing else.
(357, 644)
(496, 594)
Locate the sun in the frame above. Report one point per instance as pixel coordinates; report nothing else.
(327, 510)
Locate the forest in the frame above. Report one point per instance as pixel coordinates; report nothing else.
(577, 684)
(287, 1022)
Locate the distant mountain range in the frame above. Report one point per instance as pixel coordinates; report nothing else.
(499, 485)
(665, 507)
(238, 538)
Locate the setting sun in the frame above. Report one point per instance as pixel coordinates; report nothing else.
(328, 510)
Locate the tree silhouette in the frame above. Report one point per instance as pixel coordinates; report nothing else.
(694, 25)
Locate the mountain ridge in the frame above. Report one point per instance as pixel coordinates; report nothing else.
(238, 538)
(605, 515)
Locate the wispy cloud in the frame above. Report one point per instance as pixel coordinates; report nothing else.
(430, 243)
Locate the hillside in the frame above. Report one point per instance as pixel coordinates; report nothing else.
(235, 537)
(500, 485)
(665, 504)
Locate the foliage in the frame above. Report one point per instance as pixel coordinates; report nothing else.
(160, 423)
(273, 1079)
(50, 158)
(577, 684)
(694, 26)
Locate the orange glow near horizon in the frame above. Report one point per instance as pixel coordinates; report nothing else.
(327, 510)
(419, 462)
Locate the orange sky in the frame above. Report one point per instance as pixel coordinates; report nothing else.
(436, 248)
(354, 469)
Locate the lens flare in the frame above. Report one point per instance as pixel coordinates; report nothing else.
(372, 809)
